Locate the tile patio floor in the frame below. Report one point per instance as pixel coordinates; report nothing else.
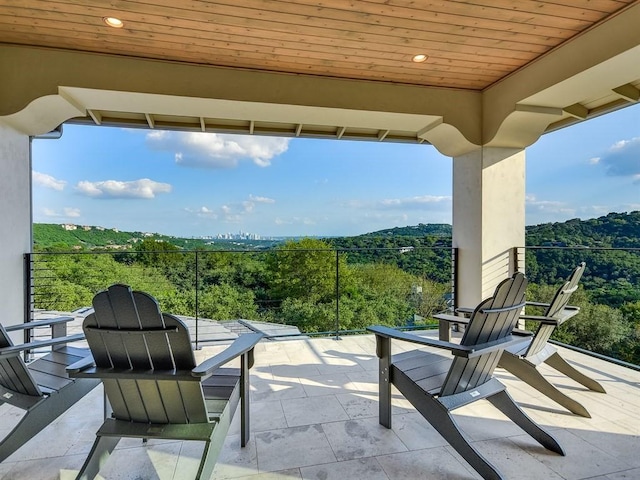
(314, 416)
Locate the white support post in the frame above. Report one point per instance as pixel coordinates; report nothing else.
(15, 227)
(488, 218)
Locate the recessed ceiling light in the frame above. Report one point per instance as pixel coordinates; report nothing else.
(113, 22)
(419, 58)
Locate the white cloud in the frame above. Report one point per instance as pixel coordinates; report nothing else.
(203, 212)
(294, 221)
(414, 202)
(257, 199)
(410, 203)
(549, 206)
(67, 212)
(232, 212)
(48, 212)
(71, 212)
(143, 188)
(623, 159)
(48, 181)
(213, 150)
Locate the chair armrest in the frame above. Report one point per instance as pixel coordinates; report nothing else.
(240, 346)
(446, 317)
(520, 332)
(464, 310)
(38, 323)
(537, 304)
(541, 319)
(567, 312)
(458, 350)
(427, 342)
(80, 365)
(15, 350)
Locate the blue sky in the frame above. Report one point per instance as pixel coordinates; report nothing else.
(194, 184)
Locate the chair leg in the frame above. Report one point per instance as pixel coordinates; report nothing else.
(503, 402)
(530, 375)
(100, 453)
(245, 429)
(446, 426)
(42, 414)
(384, 380)
(560, 364)
(210, 454)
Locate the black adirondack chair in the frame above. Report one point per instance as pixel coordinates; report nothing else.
(436, 384)
(145, 361)
(522, 360)
(42, 388)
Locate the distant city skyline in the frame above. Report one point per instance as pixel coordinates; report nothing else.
(192, 184)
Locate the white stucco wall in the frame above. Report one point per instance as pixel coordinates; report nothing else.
(488, 218)
(15, 221)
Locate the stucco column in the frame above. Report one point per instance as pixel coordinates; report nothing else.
(488, 218)
(15, 222)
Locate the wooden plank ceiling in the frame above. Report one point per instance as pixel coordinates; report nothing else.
(470, 43)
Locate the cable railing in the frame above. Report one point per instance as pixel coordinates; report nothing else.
(608, 325)
(338, 291)
(326, 291)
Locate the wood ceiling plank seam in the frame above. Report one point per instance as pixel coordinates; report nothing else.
(424, 34)
(599, 6)
(303, 47)
(40, 17)
(247, 15)
(46, 18)
(606, 6)
(348, 62)
(491, 54)
(276, 54)
(578, 9)
(424, 28)
(356, 12)
(277, 67)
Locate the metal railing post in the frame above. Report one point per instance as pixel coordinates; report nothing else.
(28, 298)
(196, 286)
(454, 277)
(337, 295)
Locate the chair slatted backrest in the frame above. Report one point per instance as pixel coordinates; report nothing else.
(555, 311)
(14, 374)
(493, 319)
(128, 333)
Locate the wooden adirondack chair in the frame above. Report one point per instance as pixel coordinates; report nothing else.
(42, 388)
(146, 363)
(522, 360)
(436, 384)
